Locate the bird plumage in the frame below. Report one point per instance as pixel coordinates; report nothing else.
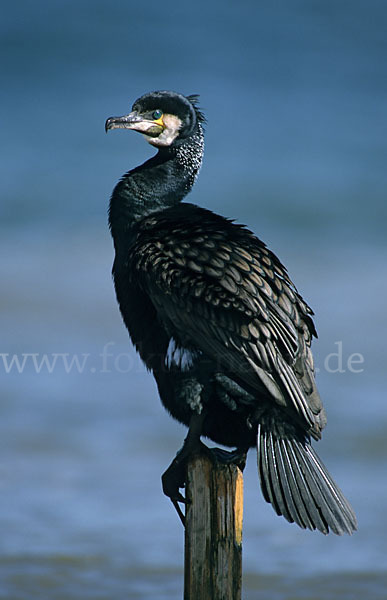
(216, 318)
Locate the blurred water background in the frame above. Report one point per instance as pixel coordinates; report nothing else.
(295, 94)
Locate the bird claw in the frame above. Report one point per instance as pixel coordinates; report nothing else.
(178, 509)
(175, 476)
(172, 480)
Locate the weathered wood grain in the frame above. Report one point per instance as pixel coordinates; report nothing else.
(213, 531)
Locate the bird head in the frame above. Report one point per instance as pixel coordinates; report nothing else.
(164, 118)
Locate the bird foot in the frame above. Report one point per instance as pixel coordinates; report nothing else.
(174, 477)
(235, 457)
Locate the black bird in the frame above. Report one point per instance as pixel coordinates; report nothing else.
(215, 317)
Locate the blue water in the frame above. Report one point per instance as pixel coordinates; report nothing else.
(295, 96)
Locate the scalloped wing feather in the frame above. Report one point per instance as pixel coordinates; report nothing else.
(220, 289)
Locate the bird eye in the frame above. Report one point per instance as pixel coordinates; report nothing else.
(157, 114)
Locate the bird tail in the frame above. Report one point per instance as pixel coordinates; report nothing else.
(297, 484)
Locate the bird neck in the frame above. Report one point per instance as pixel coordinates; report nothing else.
(159, 183)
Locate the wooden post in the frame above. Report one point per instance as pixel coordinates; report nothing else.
(213, 530)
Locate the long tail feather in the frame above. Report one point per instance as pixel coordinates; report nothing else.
(297, 484)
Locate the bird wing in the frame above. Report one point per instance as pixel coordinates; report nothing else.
(218, 288)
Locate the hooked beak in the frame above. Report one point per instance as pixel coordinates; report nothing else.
(134, 121)
(126, 122)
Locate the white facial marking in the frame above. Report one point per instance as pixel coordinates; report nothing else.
(169, 134)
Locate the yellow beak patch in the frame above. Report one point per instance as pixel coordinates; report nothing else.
(160, 122)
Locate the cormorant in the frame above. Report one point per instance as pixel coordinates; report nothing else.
(215, 317)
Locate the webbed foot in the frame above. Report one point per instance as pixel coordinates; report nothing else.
(234, 457)
(174, 477)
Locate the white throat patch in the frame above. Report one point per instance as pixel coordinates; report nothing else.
(170, 132)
